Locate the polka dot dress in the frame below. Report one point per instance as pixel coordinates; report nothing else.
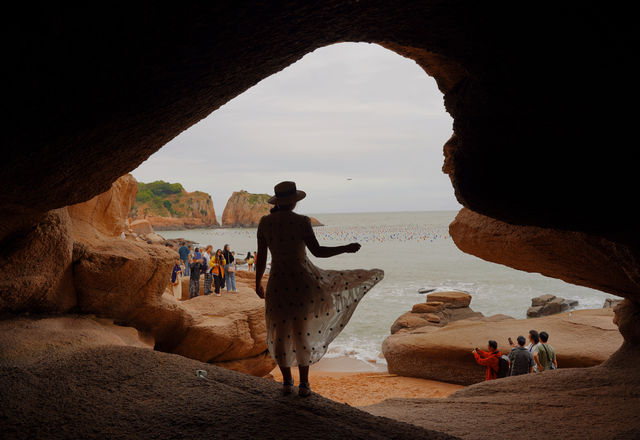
(305, 307)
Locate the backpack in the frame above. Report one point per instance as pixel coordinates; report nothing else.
(503, 366)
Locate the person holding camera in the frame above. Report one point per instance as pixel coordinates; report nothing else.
(489, 359)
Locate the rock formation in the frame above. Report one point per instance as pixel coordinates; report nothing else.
(445, 353)
(545, 305)
(169, 206)
(77, 377)
(540, 166)
(244, 209)
(95, 262)
(440, 309)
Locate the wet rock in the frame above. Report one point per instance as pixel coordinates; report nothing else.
(546, 305)
(611, 303)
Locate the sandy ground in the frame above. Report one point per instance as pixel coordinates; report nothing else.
(347, 380)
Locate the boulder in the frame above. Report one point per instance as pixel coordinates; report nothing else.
(141, 227)
(450, 299)
(37, 267)
(429, 307)
(114, 277)
(432, 314)
(611, 303)
(107, 212)
(545, 305)
(541, 300)
(445, 353)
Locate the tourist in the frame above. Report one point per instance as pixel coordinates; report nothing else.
(184, 257)
(520, 359)
(230, 278)
(217, 268)
(208, 277)
(545, 356)
(534, 342)
(230, 259)
(489, 359)
(305, 307)
(194, 278)
(249, 261)
(176, 279)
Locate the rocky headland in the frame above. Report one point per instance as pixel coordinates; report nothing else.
(244, 209)
(168, 206)
(92, 261)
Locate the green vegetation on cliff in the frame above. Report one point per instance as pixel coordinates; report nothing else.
(257, 198)
(166, 199)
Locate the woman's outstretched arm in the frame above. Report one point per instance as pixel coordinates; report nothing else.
(326, 251)
(261, 265)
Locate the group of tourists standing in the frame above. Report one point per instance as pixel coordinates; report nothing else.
(219, 269)
(537, 356)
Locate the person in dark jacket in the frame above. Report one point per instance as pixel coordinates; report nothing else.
(230, 264)
(520, 358)
(489, 359)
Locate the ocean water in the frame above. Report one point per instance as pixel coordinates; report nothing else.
(415, 251)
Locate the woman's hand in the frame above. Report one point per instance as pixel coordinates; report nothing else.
(260, 290)
(352, 248)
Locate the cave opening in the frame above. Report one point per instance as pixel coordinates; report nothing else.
(361, 129)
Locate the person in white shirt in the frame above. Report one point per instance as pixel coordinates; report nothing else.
(208, 277)
(534, 343)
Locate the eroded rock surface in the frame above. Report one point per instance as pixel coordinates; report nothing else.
(244, 209)
(445, 353)
(73, 377)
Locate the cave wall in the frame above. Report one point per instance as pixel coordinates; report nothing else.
(537, 94)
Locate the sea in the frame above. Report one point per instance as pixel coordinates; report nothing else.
(416, 252)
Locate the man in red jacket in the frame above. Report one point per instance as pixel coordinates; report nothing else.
(489, 359)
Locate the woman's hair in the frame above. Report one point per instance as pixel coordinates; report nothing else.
(288, 207)
(534, 336)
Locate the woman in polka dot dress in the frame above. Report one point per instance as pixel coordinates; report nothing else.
(305, 307)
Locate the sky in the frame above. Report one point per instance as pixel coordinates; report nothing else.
(357, 127)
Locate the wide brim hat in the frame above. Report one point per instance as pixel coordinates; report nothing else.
(286, 194)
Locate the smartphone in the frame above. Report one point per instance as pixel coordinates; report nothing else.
(510, 340)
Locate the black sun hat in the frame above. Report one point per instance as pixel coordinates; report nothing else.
(286, 194)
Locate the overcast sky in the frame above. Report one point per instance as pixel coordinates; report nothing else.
(348, 111)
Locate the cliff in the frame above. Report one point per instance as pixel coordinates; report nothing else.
(245, 209)
(170, 206)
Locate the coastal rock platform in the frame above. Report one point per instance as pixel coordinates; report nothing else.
(582, 338)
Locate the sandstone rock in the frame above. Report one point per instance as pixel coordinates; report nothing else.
(445, 353)
(440, 317)
(541, 300)
(37, 268)
(141, 226)
(433, 318)
(575, 257)
(244, 209)
(169, 206)
(107, 212)
(28, 341)
(428, 307)
(549, 305)
(534, 312)
(611, 303)
(450, 299)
